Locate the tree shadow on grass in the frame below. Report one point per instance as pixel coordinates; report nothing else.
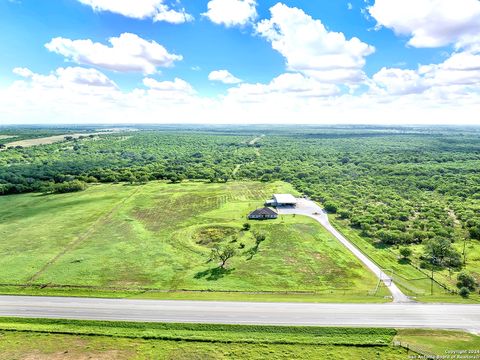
(251, 252)
(404, 261)
(213, 274)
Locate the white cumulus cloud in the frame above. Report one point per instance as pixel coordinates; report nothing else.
(223, 76)
(177, 85)
(399, 81)
(310, 48)
(430, 23)
(65, 78)
(457, 75)
(72, 96)
(127, 53)
(231, 12)
(290, 85)
(141, 9)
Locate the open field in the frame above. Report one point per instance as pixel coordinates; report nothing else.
(3, 137)
(19, 345)
(394, 188)
(440, 343)
(47, 339)
(50, 139)
(68, 339)
(414, 281)
(144, 239)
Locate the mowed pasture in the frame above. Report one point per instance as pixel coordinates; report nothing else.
(159, 236)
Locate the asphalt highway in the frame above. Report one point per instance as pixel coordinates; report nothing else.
(395, 315)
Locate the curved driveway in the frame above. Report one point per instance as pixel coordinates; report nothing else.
(311, 209)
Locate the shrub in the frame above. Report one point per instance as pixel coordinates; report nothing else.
(259, 237)
(68, 186)
(464, 292)
(405, 252)
(467, 281)
(440, 252)
(331, 207)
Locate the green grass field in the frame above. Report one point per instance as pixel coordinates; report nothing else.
(145, 240)
(67, 347)
(73, 339)
(440, 343)
(63, 339)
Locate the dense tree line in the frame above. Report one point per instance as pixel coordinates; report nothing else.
(397, 186)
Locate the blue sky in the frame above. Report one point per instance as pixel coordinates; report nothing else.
(208, 42)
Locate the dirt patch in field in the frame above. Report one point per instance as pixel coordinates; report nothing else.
(211, 235)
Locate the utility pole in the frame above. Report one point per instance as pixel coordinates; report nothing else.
(431, 284)
(464, 251)
(434, 260)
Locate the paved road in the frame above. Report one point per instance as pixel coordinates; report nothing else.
(398, 315)
(310, 209)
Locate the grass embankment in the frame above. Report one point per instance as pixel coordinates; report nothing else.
(407, 274)
(73, 339)
(154, 241)
(326, 296)
(98, 339)
(450, 344)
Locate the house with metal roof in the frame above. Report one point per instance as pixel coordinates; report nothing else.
(263, 214)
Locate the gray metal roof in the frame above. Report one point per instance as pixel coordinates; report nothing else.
(263, 211)
(285, 198)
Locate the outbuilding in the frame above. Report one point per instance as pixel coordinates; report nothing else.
(284, 200)
(263, 213)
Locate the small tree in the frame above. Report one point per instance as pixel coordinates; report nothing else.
(67, 187)
(223, 254)
(246, 227)
(465, 280)
(132, 179)
(405, 252)
(143, 179)
(464, 292)
(440, 252)
(259, 237)
(331, 207)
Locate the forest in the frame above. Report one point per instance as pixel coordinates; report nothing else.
(397, 186)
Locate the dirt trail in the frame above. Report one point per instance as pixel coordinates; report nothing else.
(257, 139)
(257, 152)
